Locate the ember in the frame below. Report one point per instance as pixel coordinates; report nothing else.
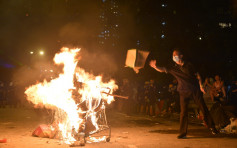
(76, 97)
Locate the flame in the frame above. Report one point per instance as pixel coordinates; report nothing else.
(57, 94)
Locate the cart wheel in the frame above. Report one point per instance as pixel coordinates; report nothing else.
(108, 139)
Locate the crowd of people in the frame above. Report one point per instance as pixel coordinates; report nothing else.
(162, 100)
(11, 94)
(217, 90)
(148, 98)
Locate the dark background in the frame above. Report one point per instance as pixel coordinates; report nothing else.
(106, 29)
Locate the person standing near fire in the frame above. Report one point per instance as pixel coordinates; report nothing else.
(124, 105)
(189, 87)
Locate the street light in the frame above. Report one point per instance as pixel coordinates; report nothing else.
(41, 52)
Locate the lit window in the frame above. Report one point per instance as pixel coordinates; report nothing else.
(163, 5)
(225, 25)
(138, 42)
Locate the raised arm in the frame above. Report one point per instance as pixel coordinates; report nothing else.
(153, 65)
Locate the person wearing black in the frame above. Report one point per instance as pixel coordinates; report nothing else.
(189, 86)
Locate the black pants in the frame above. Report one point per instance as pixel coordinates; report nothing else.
(198, 99)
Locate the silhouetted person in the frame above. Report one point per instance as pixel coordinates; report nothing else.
(189, 82)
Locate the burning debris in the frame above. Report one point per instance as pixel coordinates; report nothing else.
(77, 98)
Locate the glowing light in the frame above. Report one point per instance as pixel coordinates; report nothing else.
(163, 5)
(225, 25)
(31, 52)
(200, 38)
(41, 52)
(138, 42)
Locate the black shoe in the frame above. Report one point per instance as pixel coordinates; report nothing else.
(182, 136)
(214, 131)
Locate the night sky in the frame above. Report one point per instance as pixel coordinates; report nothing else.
(106, 29)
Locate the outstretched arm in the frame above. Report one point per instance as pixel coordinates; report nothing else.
(153, 65)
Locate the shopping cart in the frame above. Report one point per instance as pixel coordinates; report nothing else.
(101, 131)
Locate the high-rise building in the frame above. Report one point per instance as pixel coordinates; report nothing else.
(109, 17)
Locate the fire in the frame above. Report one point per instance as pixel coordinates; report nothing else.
(58, 94)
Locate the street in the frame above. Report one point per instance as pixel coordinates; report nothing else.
(135, 131)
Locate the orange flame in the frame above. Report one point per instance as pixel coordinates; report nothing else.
(57, 94)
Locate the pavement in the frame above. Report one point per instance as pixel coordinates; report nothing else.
(127, 131)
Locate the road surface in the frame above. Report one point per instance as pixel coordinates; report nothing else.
(134, 131)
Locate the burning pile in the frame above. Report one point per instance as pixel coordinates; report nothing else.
(75, 96)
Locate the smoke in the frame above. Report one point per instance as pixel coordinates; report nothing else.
(83, 33)
(84, 28)
(39, 71)
(50, 25)
(78, 34)
(98, 63)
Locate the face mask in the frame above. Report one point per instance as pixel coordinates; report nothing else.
(176, 58)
